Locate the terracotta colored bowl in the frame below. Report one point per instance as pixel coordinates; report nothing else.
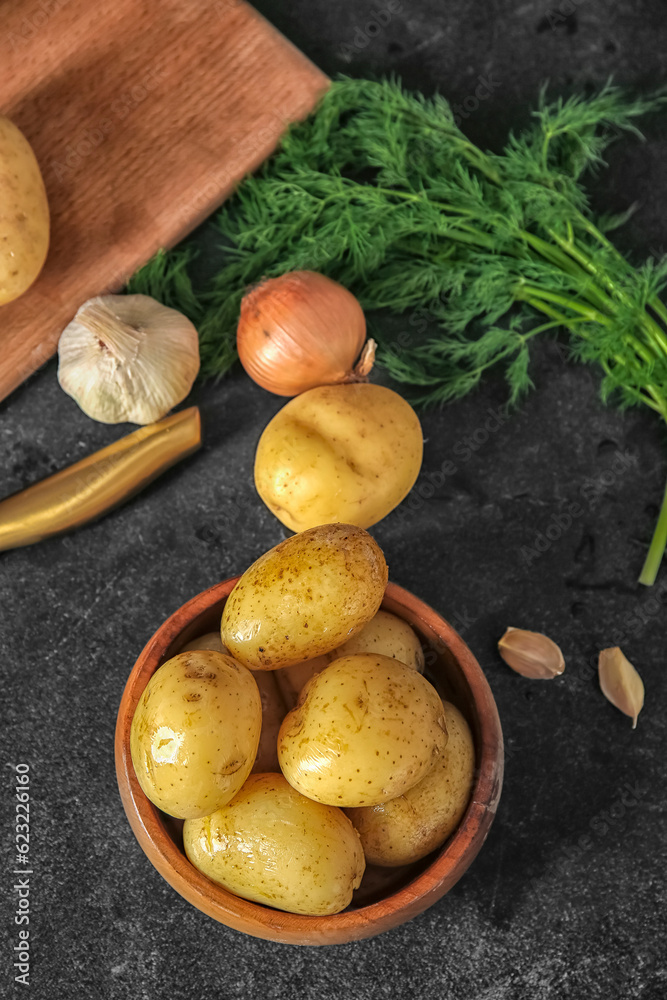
(388, 896)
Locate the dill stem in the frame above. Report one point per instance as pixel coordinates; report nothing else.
(473, 153)
(656, 548)
(590, 313)
(548, 310)
(556, 256)
(511, 348)
(570, 259)
(596, 317)
(658, 305)
(461, 230)
(657, 403)
(655, 301)
(552, 254)
(411, 196)
(654, 333)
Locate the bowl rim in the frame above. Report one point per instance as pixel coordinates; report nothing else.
(276, 925)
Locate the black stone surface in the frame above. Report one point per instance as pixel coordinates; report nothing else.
(568, 897)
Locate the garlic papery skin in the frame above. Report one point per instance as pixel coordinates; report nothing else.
(300, 331)
(531, 654)
(620, 682)
(127, 358)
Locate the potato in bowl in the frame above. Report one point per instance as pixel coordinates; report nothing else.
(384, 899)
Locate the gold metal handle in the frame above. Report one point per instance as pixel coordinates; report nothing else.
(96, 484)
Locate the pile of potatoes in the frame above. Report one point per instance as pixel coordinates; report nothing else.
(303, 740)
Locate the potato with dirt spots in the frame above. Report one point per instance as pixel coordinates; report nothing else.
(24, 214)
(304, 597)
(195, 733)
(389, 635)
(209, 640)
(273, 704)
(274, 846)
(364, 731)
(291, 680)
(273, 713)
(412, 825)
(339, 453)
(385, 633)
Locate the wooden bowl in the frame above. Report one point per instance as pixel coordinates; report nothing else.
(388, 896)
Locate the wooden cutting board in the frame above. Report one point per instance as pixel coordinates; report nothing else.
(143, 115)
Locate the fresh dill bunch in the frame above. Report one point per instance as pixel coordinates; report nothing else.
(382, 191)
(165, 277)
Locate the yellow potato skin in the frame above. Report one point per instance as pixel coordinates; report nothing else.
(304, 597)
(24, 214)
(389, 635)
(273, 846)
(292, 679)
(385, 633)
(210, 640)
(339, 453)
(273, 704)
(273, 713)
(195, 733)
(412, 825)
(364, 731)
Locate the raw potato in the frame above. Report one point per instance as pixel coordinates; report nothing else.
(195, 733)
(364, 731)
(276, 847)
(210, 640)
(339, 453)
(273, 704)
(291, 680)
(24, 214)
(389, 635)
(273, 713)
(409, 827)
(385, 633)
(304, 597)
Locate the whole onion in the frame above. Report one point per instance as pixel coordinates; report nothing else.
(300, 331)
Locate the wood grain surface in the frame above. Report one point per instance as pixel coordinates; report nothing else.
(143, 115)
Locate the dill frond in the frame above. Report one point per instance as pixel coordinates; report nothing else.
(382, 191)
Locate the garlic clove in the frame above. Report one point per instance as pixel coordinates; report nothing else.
(620, 683)
(531, 654)
(127, 358)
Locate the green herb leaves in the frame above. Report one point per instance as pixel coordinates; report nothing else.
(381, 190)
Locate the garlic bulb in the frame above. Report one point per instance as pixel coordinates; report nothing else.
(300, 331)
(127, 358)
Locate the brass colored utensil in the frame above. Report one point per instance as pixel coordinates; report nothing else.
(96, 484)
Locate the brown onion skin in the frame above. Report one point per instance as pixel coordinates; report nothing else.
(300, 331)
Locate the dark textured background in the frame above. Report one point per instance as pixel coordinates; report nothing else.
(543, 913)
